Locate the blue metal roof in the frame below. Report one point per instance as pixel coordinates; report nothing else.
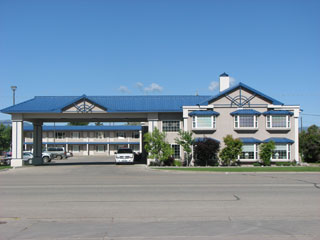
(86, 128)
(279, 140)
(204, 113)
(244, 86)
(113, 104)
(203, 139)
(278, 112)
(82, 143)
(249, 140)
(245, 112)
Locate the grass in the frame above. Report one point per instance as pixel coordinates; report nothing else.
(4, 167)
(244, 169)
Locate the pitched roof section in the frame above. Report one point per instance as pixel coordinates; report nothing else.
(56, 104)
(244, 86)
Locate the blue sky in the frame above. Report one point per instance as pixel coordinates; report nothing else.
(63, 47)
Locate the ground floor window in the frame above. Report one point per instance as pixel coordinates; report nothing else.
(248, 151)
(176, 151)
(99, 148)
(75, 148)
(281, 151)
(135, 147)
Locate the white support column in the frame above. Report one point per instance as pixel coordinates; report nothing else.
(296, 135)
(140, 141)
(17, 141)
(185, 120)
(88, 150)
(108, 149)
(152, 121)
(37, 144)
(67, 147)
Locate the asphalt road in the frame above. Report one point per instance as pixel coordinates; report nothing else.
(105, 201)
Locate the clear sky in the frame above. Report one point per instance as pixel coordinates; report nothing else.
(64, 47)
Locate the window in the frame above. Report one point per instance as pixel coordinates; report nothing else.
(75, 148)
(176, 151)
(99, 148)
(204, 122)
(60, 135)
(170, 126)
(121, 134)
(282, 151)
(29, 134)
(248, 151)
(75, 135)
(245, 121)
(99, 135)
(44, 134)
(135, 134)
(278, 121)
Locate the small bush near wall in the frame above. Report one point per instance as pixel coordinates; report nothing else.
(266, 150)
(286, 163)
(256, 164)
(177, 163)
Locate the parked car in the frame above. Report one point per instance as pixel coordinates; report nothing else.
(28, 156)
(69, 154)
(124, 155)
(56, 152)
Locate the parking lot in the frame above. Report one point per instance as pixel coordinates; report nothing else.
(91, 198)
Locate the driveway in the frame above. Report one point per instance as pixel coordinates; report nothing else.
(100, 200)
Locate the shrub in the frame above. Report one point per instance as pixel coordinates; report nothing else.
(206, 152)
(168, 162)
(230, 152)
(177, 163)
(256, 164)
(266, 150)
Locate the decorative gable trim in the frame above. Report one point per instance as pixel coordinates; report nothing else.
(83, 105)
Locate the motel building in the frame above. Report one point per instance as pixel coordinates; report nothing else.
(239, 110)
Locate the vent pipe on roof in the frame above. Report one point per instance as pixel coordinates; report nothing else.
(224, 81)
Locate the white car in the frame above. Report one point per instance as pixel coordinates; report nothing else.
(124, 155)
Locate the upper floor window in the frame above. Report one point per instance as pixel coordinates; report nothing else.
(278, 121)
(75, 135)
(60, 135)
(121, 135)
(171, 126)
(99, 135)
(135, 134)
(245, 121)
(203, 122)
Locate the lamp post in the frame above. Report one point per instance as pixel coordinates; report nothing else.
(14, 88)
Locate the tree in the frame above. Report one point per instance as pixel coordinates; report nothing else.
(266, 150)
(309, 144)
(205, 152)
(78, 123)
(5, 137)
(185, 140)
(156, 146)
(231, 151)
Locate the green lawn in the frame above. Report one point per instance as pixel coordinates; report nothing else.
(244, 169)
(4, 167)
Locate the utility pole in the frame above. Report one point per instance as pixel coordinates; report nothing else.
(14, 88)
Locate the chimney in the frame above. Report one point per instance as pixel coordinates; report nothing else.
(224, 81)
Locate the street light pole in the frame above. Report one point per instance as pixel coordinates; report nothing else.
(14, 88)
